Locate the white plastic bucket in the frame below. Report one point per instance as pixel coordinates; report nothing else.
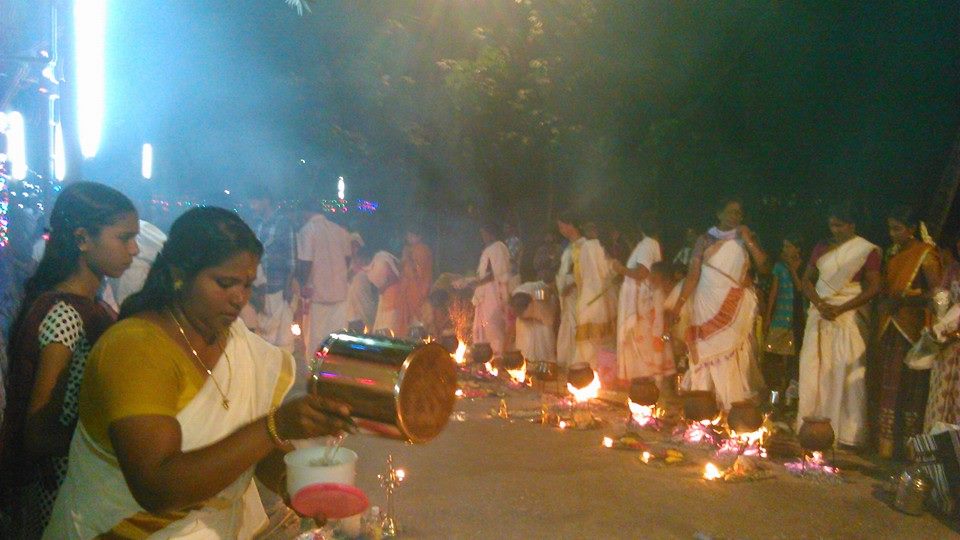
(304, 468)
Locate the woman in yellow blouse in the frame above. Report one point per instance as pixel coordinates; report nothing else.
(181, 404)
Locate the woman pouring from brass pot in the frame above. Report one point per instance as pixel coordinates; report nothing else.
(181, 404)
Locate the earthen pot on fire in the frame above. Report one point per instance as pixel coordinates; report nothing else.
(580, 375)
(449, 343)
(544, 371)
(510, 360)
(481, 353)
(816, 434)
(644, 391)
(744, 417)
(699, 405)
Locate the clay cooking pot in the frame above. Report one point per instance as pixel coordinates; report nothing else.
(544, 371)
(744, 417)
(816, 434)
(699, 405)
(481, 353)
(449, 343)
(510, 360)
(644, 391)
(580, 375)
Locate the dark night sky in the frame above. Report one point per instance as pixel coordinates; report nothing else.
(772, 101)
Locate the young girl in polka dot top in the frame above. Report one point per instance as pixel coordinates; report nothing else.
(93, 236)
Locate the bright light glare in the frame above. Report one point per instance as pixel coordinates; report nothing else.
(146, 161)
(341, 188)
(90, 21)
(17, 145)
(59, 156)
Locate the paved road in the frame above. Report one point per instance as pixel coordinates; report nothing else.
(490, 478)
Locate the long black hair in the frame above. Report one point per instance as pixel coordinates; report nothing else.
(86, 205)
(201, 238)
(905, 214)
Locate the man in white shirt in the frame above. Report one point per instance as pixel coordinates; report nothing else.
(323, 253)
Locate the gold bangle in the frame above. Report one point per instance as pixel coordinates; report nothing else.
(278, 441)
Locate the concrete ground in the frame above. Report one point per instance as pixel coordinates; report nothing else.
(486, 477)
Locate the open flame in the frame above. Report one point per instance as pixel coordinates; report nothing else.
(745, 444)
(295, 329)
(562, 424)
(644, 415)
(712, 472)
(459, 392)
(703, 431)
(588, 392)
(607, 442)
(520, 374)
(459, 356)
(814, 464)
(646, 457)
(490, 369)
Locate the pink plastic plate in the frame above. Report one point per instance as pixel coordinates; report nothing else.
(335, 501)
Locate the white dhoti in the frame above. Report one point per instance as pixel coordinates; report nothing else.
(641, 351)
(274, 321)
(566, 285)
(323, 320)
(535, 338)
(833, 374)
(490, 298)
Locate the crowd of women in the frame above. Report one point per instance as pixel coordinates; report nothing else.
(844, 332)
(159, 418)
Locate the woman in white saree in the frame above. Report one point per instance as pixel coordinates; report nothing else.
(492, 296)
(640, 324)
(722, 310)
(832, 367)
(183, 404)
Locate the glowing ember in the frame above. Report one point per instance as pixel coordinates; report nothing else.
(459, 356)
(519, 375)
(491, 370)
(643, 415)
(588, 392)
(702, 432)
(711, 472)
(608, 442)
(745, 444)
(812, 465)
(295, 329)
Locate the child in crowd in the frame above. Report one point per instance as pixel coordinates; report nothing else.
(779, 366)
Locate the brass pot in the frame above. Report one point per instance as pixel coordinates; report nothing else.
(545, 371)
(644, 391)
(699, 405)
(394, 388)
(744, 417)
(816, 434)
(481, 353)
(580, 375)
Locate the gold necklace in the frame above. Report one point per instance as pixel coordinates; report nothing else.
(196, 356)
